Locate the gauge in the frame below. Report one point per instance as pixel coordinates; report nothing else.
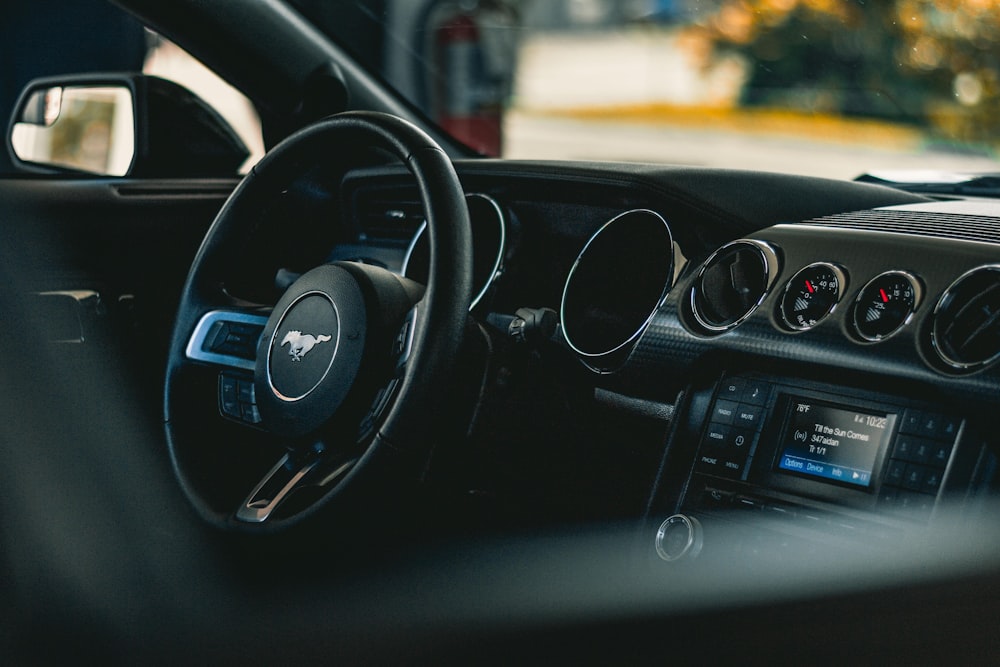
(885, 304)
(489, 245)
(812, 295)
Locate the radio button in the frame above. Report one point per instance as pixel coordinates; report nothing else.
(724, 412)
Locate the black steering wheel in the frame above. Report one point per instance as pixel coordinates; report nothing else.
(273, 413)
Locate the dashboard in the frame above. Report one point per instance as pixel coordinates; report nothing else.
(782, 435)
(822, 354)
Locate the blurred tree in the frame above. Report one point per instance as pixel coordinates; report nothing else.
(935, 63)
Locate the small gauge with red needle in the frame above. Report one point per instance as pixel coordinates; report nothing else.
(811, 295)
(885, 304)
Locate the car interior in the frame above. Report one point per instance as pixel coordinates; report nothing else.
(383, 399)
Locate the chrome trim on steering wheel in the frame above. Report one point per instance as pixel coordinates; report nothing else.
(195, 347)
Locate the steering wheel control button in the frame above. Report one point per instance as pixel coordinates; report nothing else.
(402, 345)
(234, 339)
(316, 338)
(229, 403)
(238, 399)
(811, 295)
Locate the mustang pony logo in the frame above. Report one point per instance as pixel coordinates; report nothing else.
(299, 344)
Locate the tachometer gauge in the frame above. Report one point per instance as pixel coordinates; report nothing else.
(885, 304)
(811, 295)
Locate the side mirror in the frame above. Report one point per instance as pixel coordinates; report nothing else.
(83, 128)
(120, 125)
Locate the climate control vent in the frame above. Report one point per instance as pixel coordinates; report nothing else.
(732, 283)
(389, 214)
(966, 332)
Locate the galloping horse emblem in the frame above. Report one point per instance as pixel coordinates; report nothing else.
(299, 344)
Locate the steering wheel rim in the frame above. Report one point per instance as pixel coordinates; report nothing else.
(399, 445)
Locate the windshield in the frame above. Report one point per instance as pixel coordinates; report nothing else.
(824, 87)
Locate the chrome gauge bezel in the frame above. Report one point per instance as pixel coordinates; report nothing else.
(771, 265)
(918, 295)
(590, 356)
(841, 276)
(497, 267)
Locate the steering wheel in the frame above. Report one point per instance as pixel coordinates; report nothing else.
(274, 415)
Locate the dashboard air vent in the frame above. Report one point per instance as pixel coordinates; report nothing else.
(388, 214)
(732, 283)
(966, 333)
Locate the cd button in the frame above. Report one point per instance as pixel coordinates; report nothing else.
(731, 388)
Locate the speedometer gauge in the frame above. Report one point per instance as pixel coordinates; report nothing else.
(885, 304)
(811, 295)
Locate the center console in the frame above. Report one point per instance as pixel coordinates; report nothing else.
(816, 459)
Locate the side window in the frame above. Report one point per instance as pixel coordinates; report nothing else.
(167, 60)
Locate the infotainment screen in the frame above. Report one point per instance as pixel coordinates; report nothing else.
(833, 443)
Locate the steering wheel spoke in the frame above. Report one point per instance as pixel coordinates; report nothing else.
(227, 338)
(293, 472)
